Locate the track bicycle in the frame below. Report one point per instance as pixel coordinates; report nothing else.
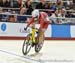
(32, 41)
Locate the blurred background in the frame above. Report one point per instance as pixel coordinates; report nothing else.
(59, 11)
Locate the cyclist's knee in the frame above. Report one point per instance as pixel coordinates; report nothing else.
(42, 30)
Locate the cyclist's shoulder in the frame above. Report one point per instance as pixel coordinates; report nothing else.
(44, 13)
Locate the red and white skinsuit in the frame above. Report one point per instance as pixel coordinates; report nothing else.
(43, 20)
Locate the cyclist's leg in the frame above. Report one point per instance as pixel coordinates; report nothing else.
(42, 31)
(41, 35)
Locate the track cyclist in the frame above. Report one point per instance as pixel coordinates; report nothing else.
(42, 19)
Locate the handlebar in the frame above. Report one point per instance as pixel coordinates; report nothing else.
(33, 28)
(36, 29)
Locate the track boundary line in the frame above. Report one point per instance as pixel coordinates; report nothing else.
(32, 60)
(20, 56)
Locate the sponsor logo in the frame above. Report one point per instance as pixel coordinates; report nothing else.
(25, 31)
(3, 27)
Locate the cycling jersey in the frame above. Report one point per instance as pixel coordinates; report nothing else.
(42, 19)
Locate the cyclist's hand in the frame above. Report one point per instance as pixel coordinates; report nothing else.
(25, 28)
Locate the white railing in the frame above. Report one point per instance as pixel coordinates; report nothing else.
(46, 0)
(14, 14)
(60, 19)
(38, 9)
(63, 20)
(30, 15)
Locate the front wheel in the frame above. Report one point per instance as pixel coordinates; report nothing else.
(27, 45)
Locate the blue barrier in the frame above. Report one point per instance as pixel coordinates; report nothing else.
(61, 31)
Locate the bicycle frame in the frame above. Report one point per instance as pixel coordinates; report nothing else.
(33, 38)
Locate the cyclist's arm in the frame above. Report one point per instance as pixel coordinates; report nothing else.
(31, 21)
(47, 20)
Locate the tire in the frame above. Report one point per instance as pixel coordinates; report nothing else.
(27, 45)
(37, 47)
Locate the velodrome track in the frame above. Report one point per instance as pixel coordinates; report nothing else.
(52, 52)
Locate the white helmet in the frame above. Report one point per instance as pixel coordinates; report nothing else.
(35, 13)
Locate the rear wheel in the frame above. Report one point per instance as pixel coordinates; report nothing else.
(27, 45)
(39, 46)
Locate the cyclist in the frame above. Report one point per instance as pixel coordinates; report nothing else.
(42, 19)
